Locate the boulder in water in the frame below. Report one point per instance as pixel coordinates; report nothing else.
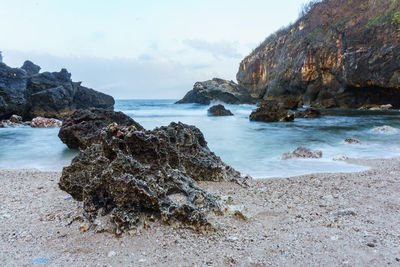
(352, 141)
(217, 90)
(219, 110)
(271, 111)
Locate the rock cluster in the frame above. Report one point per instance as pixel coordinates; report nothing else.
(28, 93)
(219, 110)
(13, 121)
(84, 126)
(130, 174)
(302, 152)
(271, 111)
(217, 90)
(40, 122)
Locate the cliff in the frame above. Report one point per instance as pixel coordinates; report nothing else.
(26, 92)
(342, 53)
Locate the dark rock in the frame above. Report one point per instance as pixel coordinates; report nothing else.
(291, 102)
(308, 113)
(271, 111)
(217, 90)
(84, 126)
(55, 95)
(87, 98)
(30, 68)
(339, 54)
(219, 110)
(131, 175)
(352, 141)
(29, 94)
(12, 91)
(16, 119)
(302, 152)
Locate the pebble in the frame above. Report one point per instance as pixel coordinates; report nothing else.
(111, 254)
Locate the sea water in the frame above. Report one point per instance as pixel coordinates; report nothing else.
(252, 148)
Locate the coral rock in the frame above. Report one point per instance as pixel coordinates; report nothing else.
(131, 175)
(84, 126)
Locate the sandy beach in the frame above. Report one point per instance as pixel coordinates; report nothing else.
(346, 219)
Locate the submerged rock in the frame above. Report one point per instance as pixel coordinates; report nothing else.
(40, 122)
(302, 152)
(131, 175)
(217, 90)
(308, 113)
(271, 111)
(219, 110)
(352, 141)
(84, 126)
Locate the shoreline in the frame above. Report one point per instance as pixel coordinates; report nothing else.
(316, 219)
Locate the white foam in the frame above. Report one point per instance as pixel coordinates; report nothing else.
(385, 129)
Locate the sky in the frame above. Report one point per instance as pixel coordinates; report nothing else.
(139, 49)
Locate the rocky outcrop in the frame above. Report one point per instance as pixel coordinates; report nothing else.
(271, 111)
(30, 94)
(13, 83)
(340, 53)
(30, 68)
(303, 152)
(131, 175)
(217, 90)
(308, 113)
(84, 126)
(219, 110)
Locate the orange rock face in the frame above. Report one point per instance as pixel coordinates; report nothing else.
(340, 53)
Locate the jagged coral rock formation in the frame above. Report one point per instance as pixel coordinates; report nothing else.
(132, 174)
(340, 53)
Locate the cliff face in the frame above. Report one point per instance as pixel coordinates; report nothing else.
(340, 53)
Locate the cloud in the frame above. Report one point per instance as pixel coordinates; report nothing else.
(216, 49)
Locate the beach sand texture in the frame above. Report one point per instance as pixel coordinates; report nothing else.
(322, 219)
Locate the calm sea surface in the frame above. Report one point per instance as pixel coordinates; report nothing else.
(251, 147)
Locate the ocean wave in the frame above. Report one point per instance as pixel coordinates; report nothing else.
(385, 129)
